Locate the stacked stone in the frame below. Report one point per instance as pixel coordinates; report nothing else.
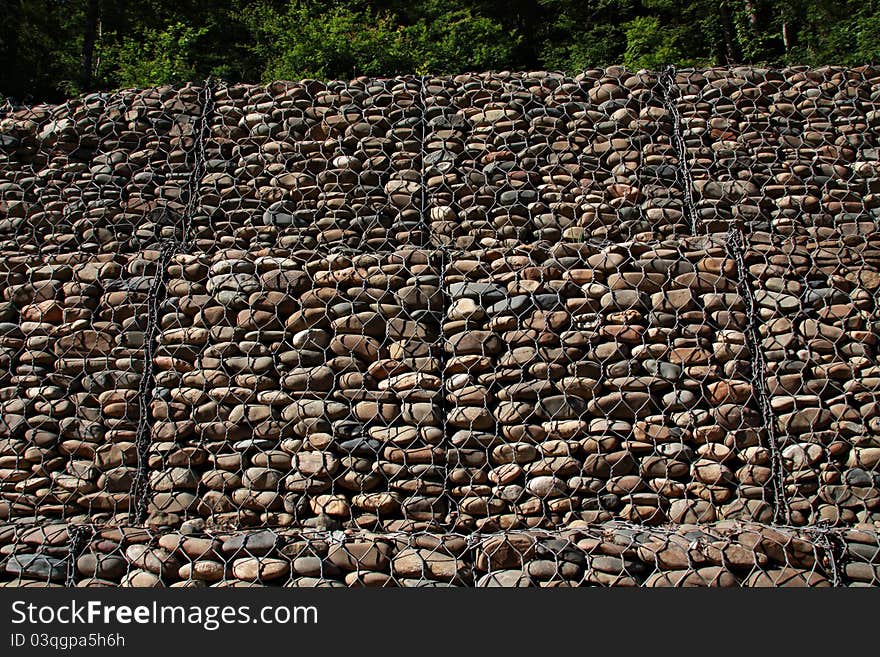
(100, 173)
(86, 190)
(299, 366)
(589, 383)
(34, 554)
(728, 554)
(313, 165)
(516, 158)
(19, 144)
(615, 554)
(471, 304)
(793, 154)
(296, 387)
(861, 558)
(72, 341)
(785, 149)
(816, 302)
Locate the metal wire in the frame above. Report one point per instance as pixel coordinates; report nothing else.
(610, 555)
(446, 309)
(668, 86)
(759, 372)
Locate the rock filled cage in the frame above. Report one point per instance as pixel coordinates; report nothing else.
(504, 329)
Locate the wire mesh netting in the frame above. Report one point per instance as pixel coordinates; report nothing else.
(724, 554)
(495, 329)
(91, 190)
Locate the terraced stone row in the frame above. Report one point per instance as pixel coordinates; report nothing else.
(782, 149)
(491, 156)
(102, 173)
(518, 158)
(724, 554)
(313, 165)
(467, 302)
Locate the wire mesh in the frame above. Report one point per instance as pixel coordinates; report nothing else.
(618, 328)
(91, 191)
(613, 554)
(522, 158)
(789, 157)
(595, 383)
(299, 388)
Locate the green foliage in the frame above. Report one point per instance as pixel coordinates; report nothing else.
(45, 53)
(306, 42)
(867, 32)
(456, 40)
(600, 44)
(157, 57)
(648, 45)
(580, 35)
(316, 41)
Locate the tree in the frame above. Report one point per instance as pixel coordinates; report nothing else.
(90, 34)
(52, 49)
(163, 56)
(350, 39)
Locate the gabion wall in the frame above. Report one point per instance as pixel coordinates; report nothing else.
(484, 330)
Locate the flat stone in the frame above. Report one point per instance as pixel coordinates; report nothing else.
(37, 566)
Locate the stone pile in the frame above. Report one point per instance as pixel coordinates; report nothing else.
(101, 173)
(793, 155)
(72, 363)
(295, 387)
(590, 383)
(313, 165)
(417, 309)
(724, 554)
(861, 558)
(35, 553)
(788, 150)
(512, 159)
(817, 304)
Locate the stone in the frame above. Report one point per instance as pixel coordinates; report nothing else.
(102, 566)
(259, 569)
(506, 579)
(37, 567)
(361, 555)
(504, 552)
(412, 563)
